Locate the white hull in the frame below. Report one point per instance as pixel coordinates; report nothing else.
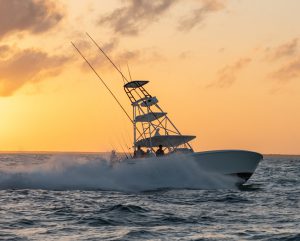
(238, 163)
(229, 162)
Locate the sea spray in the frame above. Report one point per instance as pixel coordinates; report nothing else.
(73, 172)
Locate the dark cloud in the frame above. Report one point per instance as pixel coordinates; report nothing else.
(94, 55)
(288, 49)
(120, 59)
(198, 15)
(35, 16)
(4, 50)
(221, 50)
(88, 48)
(289, 67)
(227, 75)
(111, 45)
(137, 14)
(288, 72)
(185, 55)
(129, 55)
(27, 66)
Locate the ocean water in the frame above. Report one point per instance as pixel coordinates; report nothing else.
(82, 197)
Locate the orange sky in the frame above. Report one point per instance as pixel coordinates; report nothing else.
(226, 71)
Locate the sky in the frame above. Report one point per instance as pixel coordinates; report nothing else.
(227, 71)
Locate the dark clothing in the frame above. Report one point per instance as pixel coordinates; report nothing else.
(160, 152)
(139, 153)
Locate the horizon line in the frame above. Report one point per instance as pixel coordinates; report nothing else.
(101, 152)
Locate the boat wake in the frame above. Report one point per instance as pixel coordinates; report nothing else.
(78, 173)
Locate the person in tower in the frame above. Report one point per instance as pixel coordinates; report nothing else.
(139, 152)
(160, 151)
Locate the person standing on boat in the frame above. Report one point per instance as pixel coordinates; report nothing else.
(160, 151)
(139, 152)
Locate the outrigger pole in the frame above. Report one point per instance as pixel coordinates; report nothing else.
(124, 78)
(129, 72)
(103, 82)
(107, 57)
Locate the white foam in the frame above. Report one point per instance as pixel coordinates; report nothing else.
(75, 172)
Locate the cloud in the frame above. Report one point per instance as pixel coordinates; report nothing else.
(185, 54)
(288, 72)
(289, 67)
(88, 48)
(4, 50)
(128, 55)
(227, 75)
(35, 16)
(120, 59)
(27, 66)
(93, 54)
(198, 15)
(288, 49)
(137, 14)
(110, 46)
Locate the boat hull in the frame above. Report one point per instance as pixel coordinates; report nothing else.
(239, 163)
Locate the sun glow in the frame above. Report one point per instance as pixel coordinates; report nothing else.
(228, 75)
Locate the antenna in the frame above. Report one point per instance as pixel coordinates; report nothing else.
(122, 76)
(129, 72)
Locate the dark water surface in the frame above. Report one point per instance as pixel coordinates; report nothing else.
(48, 197)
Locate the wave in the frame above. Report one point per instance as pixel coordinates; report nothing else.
(80, 173)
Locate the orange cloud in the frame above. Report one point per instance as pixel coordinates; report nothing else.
(199, 14)
(120, 57)
(138, 14)
(288, 49)
(227, 75)
(4, 50)
(290, 68)
(26, 66)
(289, 71)
(34, 16)
(130, 19)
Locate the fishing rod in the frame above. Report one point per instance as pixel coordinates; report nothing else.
(124, 151)
(103, 82)
(113, 155)
(126, 144)
(128, 150)
(119, 143)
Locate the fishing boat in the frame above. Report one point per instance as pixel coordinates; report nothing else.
(153, 129)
